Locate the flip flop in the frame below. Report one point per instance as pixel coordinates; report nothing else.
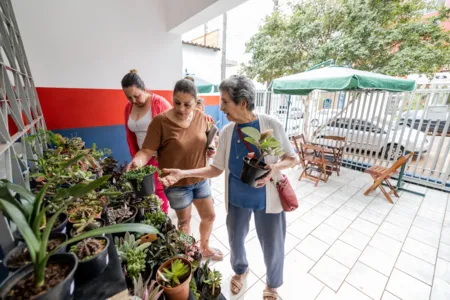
(238, 282)
(269, 294)
(216, 256)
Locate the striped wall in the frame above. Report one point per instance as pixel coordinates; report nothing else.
(97, 115)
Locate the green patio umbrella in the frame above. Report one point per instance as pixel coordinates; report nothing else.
(334, 78)
(203, 86)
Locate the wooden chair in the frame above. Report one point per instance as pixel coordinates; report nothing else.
(332, 155)
(298, 141)
(381, 174)
(316, 162)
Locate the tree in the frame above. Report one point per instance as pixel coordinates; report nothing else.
(389, 37)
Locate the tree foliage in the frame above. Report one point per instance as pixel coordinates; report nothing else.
(390, 37)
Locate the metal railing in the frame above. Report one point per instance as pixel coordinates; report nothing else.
(380, 126)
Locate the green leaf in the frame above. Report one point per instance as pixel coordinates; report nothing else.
(6, 195)
(22, 225)
(81, 189)
(130, 227)
(34, 219)
(251, 141)
(46, 233)
(72, 161)
(23, 192)
(252, 132)
(270, 143)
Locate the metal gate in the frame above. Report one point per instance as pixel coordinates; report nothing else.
(380, 126)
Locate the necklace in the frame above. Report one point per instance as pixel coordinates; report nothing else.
(238, 141)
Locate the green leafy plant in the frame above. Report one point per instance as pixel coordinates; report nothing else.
(150, 203)
(139, 174)
(213, 281)
(193, 288)
(265, 142)
(156, 219)
(175, 275)
(28, 213)
(132, 254)
(87, 225)
(135, 262)
(142, 291)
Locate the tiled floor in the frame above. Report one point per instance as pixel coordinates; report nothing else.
(343, 245)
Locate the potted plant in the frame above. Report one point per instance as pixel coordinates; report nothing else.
(149, 204)
(121, 214)
(254, 168)
(86, 225)
(58, 227)
(142, 291)
(211, 288)
(132, 253)
(174, 276)
(50, 275)
(142, 180)
(156, 219)
(93, 258)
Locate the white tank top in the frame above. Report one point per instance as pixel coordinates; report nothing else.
(140, 126)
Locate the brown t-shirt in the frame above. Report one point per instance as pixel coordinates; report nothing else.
(178, 147)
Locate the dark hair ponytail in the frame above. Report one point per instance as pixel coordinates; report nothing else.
(186, 86)
(133, 79)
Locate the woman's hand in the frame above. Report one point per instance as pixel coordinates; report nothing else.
(172, 177)
(266, 179)
(211, 152)
(133, 165)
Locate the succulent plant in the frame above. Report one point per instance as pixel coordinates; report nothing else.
(156, 219)
(118, 215)
(142, 291)
(174, 275)
(87, 248)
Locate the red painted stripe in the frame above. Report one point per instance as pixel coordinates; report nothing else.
(66, 108)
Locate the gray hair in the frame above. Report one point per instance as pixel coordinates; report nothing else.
(239, 88)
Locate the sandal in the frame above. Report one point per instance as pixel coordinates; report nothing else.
(217, 255)
(270, 295)
(237, 282)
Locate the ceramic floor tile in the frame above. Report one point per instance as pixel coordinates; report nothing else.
(290, 243)
(420, 250)
(378, 260)
(431, 215)
(442, 270)
(444, 252)
(404, 211)
(427, 224)
(313, 218)
(348, 212)
(254, 292)
(427, 237)
(447, 220)
(347, 292)
(440, 290)
(367, 280)
(296, 262)
(380, 205)
(399, 220)
(324, 209)
(344, 253)
(334, 201)
(326, 294)
(389, 296)
(300, 229)
(332, 279)
(386, 244)
(366, 227)
(393, 231)
(355, 238)
(255, 257)
(312, 247)
(415, 267)
(445, 236)
(372, 216)
(326, 233)
(304, 286)
(313, 199)
(338, 222)
(416, 289)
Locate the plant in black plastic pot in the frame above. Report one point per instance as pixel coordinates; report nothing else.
(132, 253)
(93, 257)
(50, 275)
(121, 214)
(156, 219)
(86, 225)
(142, 180)
(174, 276)
(267, 145)
(143, 291)
(211, 289)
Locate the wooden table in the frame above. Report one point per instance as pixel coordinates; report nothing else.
(337, 149)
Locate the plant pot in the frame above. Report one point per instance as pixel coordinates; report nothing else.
(63, 290)
(129, 220)
(180, 292)
(252, 172)
(73, 230)
(207, 295)
(147, 186)
(140, 215)
(92, 267)
(62, 228)
(18, 249)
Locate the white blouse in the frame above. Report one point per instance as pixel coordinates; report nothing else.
(140, 126)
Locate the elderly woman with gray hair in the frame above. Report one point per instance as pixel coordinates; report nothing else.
(241, 200)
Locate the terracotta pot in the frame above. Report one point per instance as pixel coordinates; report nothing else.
(180, 292)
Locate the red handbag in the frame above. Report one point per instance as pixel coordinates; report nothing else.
(287, 195)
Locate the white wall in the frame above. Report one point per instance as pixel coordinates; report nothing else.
(93, 44)
(204, 63)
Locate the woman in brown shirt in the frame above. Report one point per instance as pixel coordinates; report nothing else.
(179, 137)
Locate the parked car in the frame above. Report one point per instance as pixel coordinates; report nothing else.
(413, 120)
(294, 112)
(374, 137)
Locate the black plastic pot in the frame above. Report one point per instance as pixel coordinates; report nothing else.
(94, 266)
(129, 220)
(252, 172)
(62, 228)
(73, 229)
(22, 245)
(146, 188)
(206, 295)
(63, 290)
